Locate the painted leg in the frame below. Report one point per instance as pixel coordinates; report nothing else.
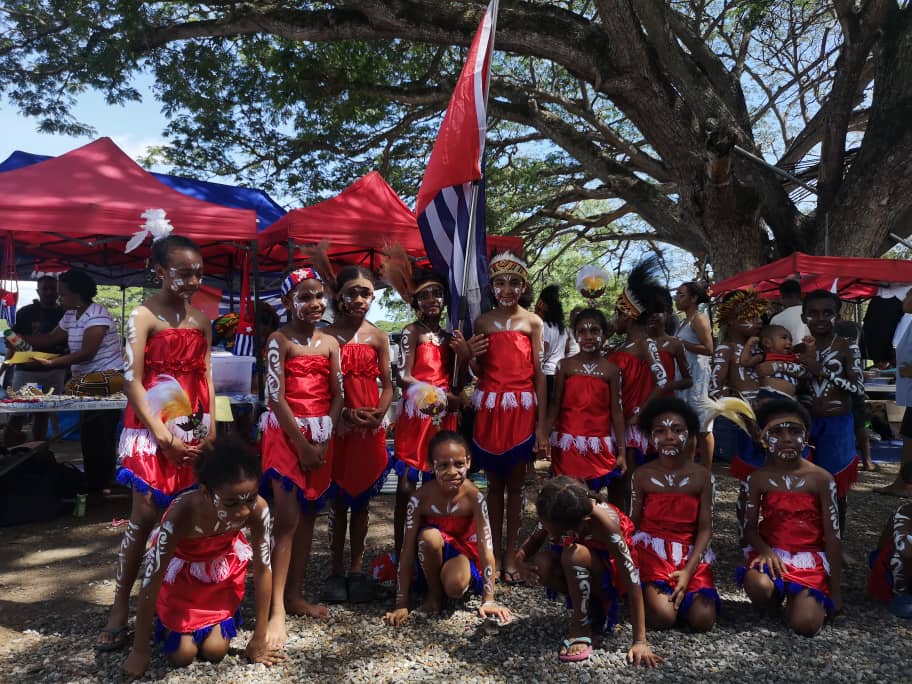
(404, 491)
(430, 558)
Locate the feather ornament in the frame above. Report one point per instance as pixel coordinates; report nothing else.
(396, 270)
(734, 409)
(168, 400)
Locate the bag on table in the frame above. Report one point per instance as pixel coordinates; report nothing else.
(96, 384)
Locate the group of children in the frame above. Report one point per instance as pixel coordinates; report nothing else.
(613, 421)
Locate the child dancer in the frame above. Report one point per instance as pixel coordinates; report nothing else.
(426, 369)
(671, 505)
(891, 564)
(642, 374)
(444, 521)
(360, 459)
(304, 390)
(586, 410)
(168, 378)
(834, 375)
(791, 525)
(509, 400)
(195, 570)
(739, 314)
(671, 349)
(777, 366)
(589, 552)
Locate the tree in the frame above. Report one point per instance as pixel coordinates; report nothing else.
(639, 104)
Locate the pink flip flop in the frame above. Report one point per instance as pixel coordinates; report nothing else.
(567, 644)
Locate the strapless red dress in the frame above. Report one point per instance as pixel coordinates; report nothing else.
(459, 538)
(414, 430)
(360, 460)
(637, 382)
(665, 542)
(308, 395)
(583, 446)
(604, 614)
(792, 527)
(505, 403)
(202, 588)
(177, 354)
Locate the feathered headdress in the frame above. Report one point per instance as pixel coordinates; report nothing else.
(397, 270)
(156, 225)
(507, 263)
(639, 296)
(742, 305)
(319, 257)
(591, 281)
(735, 409)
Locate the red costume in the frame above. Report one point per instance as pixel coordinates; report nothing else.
(308, 395)
(880, 579)
(582, 440)
(637, 382)
(459, 538)
(505, 403)
(360, 459)
(203, 587)
(665, 541)
(414, 429)
(174, 354)
(791, 526)
(670, 364)
(605, 614)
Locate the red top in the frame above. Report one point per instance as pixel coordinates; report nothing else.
(180, 353)
(307, 385)
(791, 521)
(432, 362)
(507, 365)
(360, 370)
(637, 381)
(586, 406)
(458, 532)
(769, 356)
(671, 516)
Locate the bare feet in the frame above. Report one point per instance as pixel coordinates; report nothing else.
(296, 605)
(433, 605)
(896, 489)
(276, 636)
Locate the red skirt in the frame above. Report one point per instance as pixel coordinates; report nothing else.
(659, 558)
(804, 570)
(413, 433)
(280, 460)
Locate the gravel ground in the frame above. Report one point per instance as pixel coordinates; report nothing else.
(55, 586)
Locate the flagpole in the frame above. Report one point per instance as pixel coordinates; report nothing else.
(473, 204)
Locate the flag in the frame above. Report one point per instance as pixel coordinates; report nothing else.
(455, 166)
(243, 337)
(9, 282)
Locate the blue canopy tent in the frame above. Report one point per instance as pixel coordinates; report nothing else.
(268, 211)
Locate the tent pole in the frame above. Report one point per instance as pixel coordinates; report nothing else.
(123, 310)
(291, 249)
(255, 293)
(231, 283)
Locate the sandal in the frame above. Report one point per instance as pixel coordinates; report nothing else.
(567, 644)
(361, 588)
(512, 578)
(335, 590)
(118, 639)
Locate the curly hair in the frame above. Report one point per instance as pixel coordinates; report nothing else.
(660, 405)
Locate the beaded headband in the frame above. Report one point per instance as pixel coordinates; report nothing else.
(629, 305)
(295, 277)
(508, 264)
(743, 305)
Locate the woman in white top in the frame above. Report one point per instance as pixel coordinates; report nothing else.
(88, 329)
(554, 333)
(695, 334)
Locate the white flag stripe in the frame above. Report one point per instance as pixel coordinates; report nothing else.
(441, 239)
(479, 74)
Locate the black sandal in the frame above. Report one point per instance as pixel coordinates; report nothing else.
(118, 639)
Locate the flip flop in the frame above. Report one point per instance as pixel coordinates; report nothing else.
(118, 639)
(512, 578)
(567, 644)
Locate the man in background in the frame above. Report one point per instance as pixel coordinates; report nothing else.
(790, 316)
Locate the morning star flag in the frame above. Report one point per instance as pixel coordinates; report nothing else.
(243, 339)
(454, 177)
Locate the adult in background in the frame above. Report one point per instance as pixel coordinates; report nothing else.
(790, 316)
(695, 334)
(40, 317)
(902, 485)
(96, 363)
(551, 311)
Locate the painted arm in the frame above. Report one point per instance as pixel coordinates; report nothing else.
(547, 425)
(406, 564)
(541, 386)
(701, 542)
(206, 329)
(489, 607)
(748, 358)
(636, 498)
(766, 558)
(407, 344)
(658, 369)
(260, 524)
(276, 353)
(719, 372)
(832, 544)
(618, 426)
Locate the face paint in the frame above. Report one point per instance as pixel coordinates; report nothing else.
(507, 290)
(785, 439)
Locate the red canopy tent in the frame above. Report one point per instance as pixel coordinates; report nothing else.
(849, 277)
(358, 222)
(84, 205)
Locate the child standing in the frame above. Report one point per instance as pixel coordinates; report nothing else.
(304, 391)
(168, 376)
(509, 400)
(360, 459)
(196, 567)
(588, 438)
(589, 553)
(671, 506)
(445, 520)
(777, 366)
(791, 525)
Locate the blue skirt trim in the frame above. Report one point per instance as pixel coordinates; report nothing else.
(596, 483)
(501, 464)
(170, 641)
(706, 592)
(307, 505)
(784, 588)
(604, 612)
(359, 502)
(449, 551)
(413, 475)
(126, 477)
